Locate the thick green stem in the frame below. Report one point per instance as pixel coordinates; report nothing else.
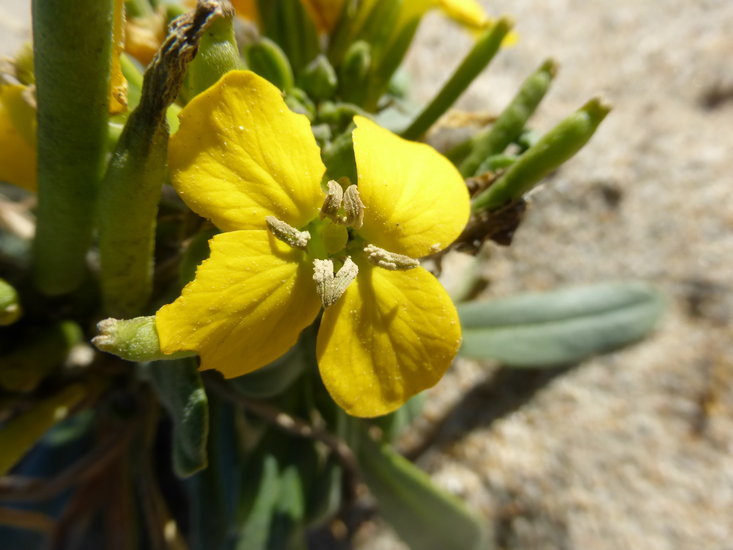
(72, 46)
(554, 148)
(511, 122)
(476, 61)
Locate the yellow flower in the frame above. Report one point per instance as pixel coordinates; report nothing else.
(326, 13)
(17, 137)
(243, 160)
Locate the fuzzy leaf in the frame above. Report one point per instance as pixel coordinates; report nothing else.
(561, 327)
(423, 515)
(179, 387)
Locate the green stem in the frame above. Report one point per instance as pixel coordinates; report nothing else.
(72, 47)
(554, 148)
(476, 61)
(511, 122)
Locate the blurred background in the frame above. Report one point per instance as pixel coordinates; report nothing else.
(634, 449)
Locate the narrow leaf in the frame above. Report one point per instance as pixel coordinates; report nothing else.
(561, 327)
(181, 391)
(423, 515)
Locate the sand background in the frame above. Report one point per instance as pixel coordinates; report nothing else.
(635, 449)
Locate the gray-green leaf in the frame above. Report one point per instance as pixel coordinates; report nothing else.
(423, 515)
(179, 387)
(560, 327)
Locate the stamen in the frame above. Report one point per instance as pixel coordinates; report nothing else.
(353, 207)
(331, 287)
(389, 260)
(287, 234)
(333, 200)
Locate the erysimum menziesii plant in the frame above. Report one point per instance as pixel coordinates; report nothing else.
(215, 326)
(389, 329)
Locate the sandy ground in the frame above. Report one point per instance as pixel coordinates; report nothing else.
(632, 450)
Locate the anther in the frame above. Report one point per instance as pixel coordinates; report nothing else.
(333, 200)
(389, 260)
(331, 287)
(287, 234)
(353, 207)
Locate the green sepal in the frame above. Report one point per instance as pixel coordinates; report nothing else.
(20, 433)
(181, 391)
(318, 79)
(10, 307)
(133, 340)
(40, 351)
(554, 148)
(508, 127)
(268, 60)
(422, 514)
(561, 327)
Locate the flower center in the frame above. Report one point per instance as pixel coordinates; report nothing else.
(333, 237)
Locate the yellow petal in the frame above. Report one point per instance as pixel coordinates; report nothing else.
(117, 82)
(247, 305)
(466, 12)
(416, 201)
(325, 13)
(390, 336)
(241, 155)
(17, 151)
(246, 9)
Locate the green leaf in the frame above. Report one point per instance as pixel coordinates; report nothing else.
(424, 516)
(275, 511)
(561, 327)
(179, 387)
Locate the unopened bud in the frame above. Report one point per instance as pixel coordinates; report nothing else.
(132, 339)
